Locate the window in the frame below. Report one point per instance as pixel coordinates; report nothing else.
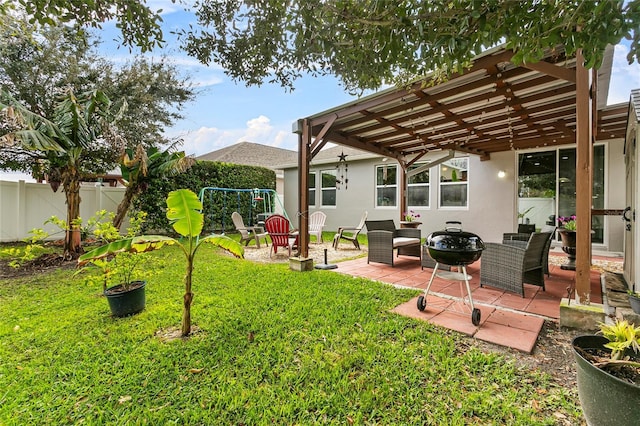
(328, 193)
(598, 195)
(312, 189)
(537, 188)
(386, 185)
(418, 187)
(454, 187)
(547, 187)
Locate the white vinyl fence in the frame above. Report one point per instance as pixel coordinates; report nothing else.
(24, 206)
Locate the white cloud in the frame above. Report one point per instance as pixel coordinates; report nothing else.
(204, 81)
(258, 130)
(624, 77)
(167, 6)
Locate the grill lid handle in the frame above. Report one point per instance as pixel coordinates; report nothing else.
(453, 226)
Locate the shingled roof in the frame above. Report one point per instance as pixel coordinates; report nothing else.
(252, 154)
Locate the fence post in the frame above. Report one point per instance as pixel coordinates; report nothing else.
(21, 207)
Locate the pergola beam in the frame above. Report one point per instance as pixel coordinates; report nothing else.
(553, 70)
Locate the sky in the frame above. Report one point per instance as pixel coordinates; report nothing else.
(226, 112)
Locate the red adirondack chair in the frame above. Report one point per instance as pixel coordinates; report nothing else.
(279, 229)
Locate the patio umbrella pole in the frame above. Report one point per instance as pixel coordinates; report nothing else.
(325, 265)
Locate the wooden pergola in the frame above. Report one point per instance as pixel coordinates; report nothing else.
(494, 106)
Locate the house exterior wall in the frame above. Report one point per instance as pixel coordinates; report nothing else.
(615, 190)
(632, 179)
(492, 201)
(487, 193)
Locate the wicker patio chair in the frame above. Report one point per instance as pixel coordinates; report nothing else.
(316, 223)
(521, 240)
(508, 267)
(383, 238)
(426, 261)
(349, 233)
(248, 233)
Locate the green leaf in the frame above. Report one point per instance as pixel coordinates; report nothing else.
(226, 243)
(106, 250)
(184, 212)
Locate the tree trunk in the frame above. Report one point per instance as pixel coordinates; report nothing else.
(187, 299)
(72, 240)
(124, 205)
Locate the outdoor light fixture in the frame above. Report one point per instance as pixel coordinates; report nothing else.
(501, 174)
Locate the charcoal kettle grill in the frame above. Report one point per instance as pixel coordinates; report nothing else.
(453, 247)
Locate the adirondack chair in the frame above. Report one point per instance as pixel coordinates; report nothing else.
(349, 233)
(316, 223)
(279, 230)
(248, 233)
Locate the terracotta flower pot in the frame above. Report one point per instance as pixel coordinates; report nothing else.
(410, 224)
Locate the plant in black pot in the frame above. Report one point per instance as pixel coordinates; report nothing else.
(608, 367)
(122, 278)
(184, 211)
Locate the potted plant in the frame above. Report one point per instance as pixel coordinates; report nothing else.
(608, 367)
(128, 297)
(567, 231)
(634, 301)
(123, 283)
(410, 220)
(522, 215)
(184, 211)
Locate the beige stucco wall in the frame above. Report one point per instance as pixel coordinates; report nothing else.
(487, 193)
(492, 207)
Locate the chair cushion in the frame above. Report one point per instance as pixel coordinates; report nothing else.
(405, 241)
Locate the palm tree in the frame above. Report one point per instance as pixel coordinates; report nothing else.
(76, 137)
(140, 167)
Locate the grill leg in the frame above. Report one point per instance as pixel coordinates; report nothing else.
(433, 275)
(466, 282)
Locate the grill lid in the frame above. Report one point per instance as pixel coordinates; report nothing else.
(453, 246)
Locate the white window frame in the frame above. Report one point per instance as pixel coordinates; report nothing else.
(426, 186)
(386, 185)
(312, 190)
(442, 184)
(324, 189)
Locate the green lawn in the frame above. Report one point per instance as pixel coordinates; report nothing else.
(274, 347)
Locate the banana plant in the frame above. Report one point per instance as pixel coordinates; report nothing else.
(184, 211)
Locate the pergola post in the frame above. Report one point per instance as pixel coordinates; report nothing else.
(304, 143)
(403, 192)
(584, 172)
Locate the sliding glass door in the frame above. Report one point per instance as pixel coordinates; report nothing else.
(537, 188)
(547, 187)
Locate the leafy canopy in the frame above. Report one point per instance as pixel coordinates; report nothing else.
(38, 63)
(368, 43)
(138, 24)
